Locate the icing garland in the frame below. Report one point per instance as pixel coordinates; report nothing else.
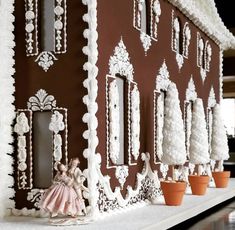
(7, 109)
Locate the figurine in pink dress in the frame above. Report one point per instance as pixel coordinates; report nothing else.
(78, 186)
(61, 198)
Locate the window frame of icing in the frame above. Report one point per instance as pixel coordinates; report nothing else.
(183, 35)
(45, 58)
(152, 15)
(40, 102)
(190, 97)
(130, 158)
(203, 56)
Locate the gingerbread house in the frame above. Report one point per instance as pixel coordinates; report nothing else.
(101, 68)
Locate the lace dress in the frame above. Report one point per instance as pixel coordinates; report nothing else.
(61, 198)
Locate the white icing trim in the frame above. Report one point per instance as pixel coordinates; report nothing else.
(191, 94)
(46, 59)
(155, 17)
(7, 109)
(186, 39)
(116, 195)
(56, 125)
(158, 127)
(114, 130)
(211, 98)
(121, 173)
(207, 56)
(60, 24)
(34, 196)
(89, 100)
(164, 169)
(31, 27)
(21, 128)
(204, 15)
(146, 41)
(162, 79)
(162, 83)
(41, 101)
(135, 122)
(188, 123)
(29, 212)
(119, 63)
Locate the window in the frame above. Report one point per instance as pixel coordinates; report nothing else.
(204, 54)
(181, 37)
(41, 140)
(123, 121)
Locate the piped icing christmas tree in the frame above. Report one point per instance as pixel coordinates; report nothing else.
(219, 141)
(174, 152)
(198, 149)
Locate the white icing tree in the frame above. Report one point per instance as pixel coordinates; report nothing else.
(198, 149)
(219, 141)
(174, 152)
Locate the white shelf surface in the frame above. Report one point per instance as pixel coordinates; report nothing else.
(158, 216)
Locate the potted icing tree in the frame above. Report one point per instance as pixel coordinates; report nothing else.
(198, 149)
(174, 152)
(219, 149)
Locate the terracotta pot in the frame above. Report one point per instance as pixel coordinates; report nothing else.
(221, 178)
(198, 184)
(173, 192)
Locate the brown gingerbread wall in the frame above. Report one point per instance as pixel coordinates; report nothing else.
(64, 80)
(115, 20)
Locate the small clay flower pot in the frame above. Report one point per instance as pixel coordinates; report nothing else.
(221, 178)
(198, 184)
(173, 192)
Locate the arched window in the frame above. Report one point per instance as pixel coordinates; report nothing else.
(190, 97)
(162, 83)
(41, 140)
(204, 54)
(51, 17)
(181, 37)
(146, 19)
(123, 111)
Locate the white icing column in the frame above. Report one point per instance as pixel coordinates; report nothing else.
(91, 50)
(7, 110)
(56, 125)
(135, 122)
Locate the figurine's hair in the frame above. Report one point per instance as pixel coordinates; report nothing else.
(59, 166)
(74, 160)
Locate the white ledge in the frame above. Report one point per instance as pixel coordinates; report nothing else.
(157, 216)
